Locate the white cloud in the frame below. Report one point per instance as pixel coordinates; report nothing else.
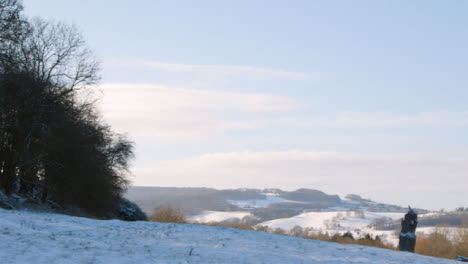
(218, 69)
(157, 111)
(397, 178)
(148, 97)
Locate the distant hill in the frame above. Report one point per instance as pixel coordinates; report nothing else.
(308, 210)
(265, 204)
(190, 200)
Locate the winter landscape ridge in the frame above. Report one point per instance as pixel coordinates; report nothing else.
(33, 237)
(303, 211)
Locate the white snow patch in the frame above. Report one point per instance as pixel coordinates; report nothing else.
(215, 216)
(316, 220)
(270, 198)
(346, 220)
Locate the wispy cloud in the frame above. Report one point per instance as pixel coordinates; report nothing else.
(428, 118)
(161, 111)
(219, 69)
(358, 119)
(149, 97)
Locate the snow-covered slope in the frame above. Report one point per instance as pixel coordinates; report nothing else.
(270, 198)
(215, 216)
(345, 220)
(338, 222)
(27, 237)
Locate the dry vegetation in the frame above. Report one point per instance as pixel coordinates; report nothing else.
(347, 238)
(168, 214)
(439, 244)
(233, 224)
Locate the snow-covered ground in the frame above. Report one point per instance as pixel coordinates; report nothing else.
(345, 220)
(451, 232)
(270, 198)
(316, 220)
(27, 237)
(338, 222)
(216, 216)
(367, 219)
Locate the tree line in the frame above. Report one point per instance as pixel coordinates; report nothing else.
(54, 145)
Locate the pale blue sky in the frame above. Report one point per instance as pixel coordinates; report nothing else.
(259, 93)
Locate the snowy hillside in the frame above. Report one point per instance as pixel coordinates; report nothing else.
(345, 220)
(338, 222)
(27, 237)
(213, 216)
(268, 199)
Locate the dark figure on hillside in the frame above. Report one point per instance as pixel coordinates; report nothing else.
(408, 231)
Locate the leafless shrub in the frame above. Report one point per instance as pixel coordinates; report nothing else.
(168, 214)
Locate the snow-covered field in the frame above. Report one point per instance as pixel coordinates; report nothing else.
(345, 220)
(216, 216)
(316, 220)
(27, 237)
(338, 222)
(270, 198)
(451, 232)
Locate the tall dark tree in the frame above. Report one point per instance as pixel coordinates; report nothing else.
(11, 26)
(49, 135)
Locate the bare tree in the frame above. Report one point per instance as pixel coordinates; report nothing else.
(56, 53)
